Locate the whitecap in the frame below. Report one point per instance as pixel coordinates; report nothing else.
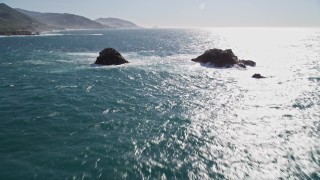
(60, 34)
(55, 34)
(84, 54)
(89, 88)
(37, 62)
(105, 111)
(66, 87)
(53, 114)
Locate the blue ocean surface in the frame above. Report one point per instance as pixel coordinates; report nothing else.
(161, 116)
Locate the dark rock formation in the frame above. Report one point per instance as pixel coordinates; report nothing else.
(222, 58)
(258, 76)
(217, 57)
(110, 56)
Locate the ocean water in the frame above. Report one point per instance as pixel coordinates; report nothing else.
(161, 116)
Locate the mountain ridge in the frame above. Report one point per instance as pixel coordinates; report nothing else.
(116, 23)
(24, 22)
(64, 20)
(13, 20)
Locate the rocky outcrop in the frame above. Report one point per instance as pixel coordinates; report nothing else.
(222, 58)
(258, 76)
(217, 57)
(110, 56)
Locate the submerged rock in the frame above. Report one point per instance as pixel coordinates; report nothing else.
(222, 58)
(241, 65)
(258, 76)
(248, 62)
(110, 56)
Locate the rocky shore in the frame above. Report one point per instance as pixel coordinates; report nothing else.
(14, 33)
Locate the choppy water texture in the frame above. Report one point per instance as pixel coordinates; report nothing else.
(161, 116)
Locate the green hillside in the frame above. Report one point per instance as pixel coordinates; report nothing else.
(13, 20)
(63, 20)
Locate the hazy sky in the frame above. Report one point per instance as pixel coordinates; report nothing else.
(187, 13)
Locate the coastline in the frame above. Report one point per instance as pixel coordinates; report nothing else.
(17, 33)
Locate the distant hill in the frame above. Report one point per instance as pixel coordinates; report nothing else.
(64, 20)
(13, 20)
(116, 23)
